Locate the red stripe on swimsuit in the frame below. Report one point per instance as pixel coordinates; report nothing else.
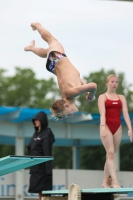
(113, 113)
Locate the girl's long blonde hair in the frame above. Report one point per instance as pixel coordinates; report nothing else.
(110, 76)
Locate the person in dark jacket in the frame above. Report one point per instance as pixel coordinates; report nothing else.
(41, 145)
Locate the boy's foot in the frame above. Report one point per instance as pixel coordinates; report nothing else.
(30, 46)
(33, 25)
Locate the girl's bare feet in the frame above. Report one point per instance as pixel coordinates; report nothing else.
(105, 185)
(30, 46)
(115, 184)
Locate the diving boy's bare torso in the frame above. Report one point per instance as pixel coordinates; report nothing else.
(68, 78)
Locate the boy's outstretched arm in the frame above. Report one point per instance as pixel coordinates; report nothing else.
(89, 88)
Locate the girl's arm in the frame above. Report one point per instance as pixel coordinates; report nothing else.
(126, 115)
(101, 107)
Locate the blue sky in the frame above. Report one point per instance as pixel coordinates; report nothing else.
(95, 34)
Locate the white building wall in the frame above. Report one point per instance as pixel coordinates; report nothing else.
(62, 179)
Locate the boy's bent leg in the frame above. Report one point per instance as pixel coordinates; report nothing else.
(46, 35)
(38, 51)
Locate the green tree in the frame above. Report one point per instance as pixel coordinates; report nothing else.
(92, 157)
(6, 150)
(126, 155)
(23, 89)
(62, 157)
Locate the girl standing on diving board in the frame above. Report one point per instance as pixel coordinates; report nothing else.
(110, 105)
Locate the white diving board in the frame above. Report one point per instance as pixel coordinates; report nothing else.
(75, 193)
(108, 190)
(93, 190)
(13, 163)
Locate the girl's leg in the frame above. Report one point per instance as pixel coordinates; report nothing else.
(108, 143)
(105, 176)
(38, 51)
(117, 139)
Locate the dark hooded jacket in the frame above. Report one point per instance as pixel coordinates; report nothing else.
(41, 145)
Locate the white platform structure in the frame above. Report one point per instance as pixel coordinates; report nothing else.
(75, 193)
(81, 130)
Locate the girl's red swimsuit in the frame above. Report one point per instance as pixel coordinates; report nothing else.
(113, 113)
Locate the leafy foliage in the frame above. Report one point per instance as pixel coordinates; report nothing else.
(62, 157)
(23, 89)
(92, 157)
(6, 150)
(126, 155)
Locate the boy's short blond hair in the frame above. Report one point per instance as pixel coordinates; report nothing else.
(57, 108)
